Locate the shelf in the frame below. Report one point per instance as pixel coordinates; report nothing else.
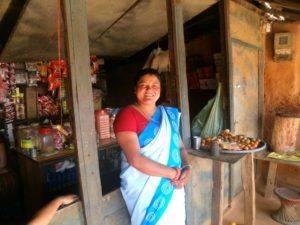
(41, 158)
(38, 120)
(107, 143)
(37, 85)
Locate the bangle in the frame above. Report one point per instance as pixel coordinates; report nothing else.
(177, 175)
(187, 167)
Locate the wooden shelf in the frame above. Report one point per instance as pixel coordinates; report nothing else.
(223, 157)
(40, 119)
(107, 143)
(42, 158)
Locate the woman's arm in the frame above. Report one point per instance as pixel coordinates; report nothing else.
(186, 168)
(44, 216)
(183, 154)
(130, 145)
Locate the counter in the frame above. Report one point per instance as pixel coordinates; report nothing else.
(42, 180)
(218, 183)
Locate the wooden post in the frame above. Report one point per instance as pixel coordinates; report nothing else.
(249, 189)
(82, 113)
(217, 193)
(178, 64)
(271, 180)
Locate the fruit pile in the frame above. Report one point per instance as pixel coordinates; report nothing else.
(230, 141)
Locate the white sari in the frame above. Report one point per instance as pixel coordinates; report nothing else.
(154, 200)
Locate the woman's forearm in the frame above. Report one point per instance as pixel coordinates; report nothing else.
(153, 168)
(45, 215)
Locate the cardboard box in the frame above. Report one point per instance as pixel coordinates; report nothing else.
(31, 105)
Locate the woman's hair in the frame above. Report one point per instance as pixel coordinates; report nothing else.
(145, 71)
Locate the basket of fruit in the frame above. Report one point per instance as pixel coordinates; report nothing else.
(231, 143)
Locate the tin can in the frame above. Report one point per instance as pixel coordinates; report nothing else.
(33, 152)
(215, 148)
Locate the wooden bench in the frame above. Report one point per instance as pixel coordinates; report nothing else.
(272, 171)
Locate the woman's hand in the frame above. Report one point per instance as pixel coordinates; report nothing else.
(45, 215)
(67, 199)
(183, 178)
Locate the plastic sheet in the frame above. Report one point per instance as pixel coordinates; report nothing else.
(209, 121)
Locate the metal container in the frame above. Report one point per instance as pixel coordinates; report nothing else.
(196, 142)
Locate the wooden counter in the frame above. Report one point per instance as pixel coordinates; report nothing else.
(107, 143)
(39, 185)
(224, 157)
(43, 158)
(41, 182)
(218, 183)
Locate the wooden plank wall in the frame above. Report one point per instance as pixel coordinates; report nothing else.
(199, 190)
(245, 50)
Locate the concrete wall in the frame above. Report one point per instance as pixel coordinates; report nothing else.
(282, 91)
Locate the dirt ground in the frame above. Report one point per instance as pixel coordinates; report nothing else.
(264, 209)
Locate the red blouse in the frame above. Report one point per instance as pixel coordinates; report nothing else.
(129, 119)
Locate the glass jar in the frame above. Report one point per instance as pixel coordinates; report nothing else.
(35, 134)
(19, 135)
(46, 140)
(25, 139)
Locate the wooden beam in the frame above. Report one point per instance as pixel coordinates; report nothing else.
(10, 19)
(286, 4)
(178, 64)
(272, 171)
(249, 189)
(217, 193)
(82, 113)
(119, 18)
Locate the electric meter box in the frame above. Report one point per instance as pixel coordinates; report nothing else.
(283, 46)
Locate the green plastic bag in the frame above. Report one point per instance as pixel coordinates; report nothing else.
(209, 121)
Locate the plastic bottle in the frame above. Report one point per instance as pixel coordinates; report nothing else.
(46, 140)
(26, 140)
(35, 134)
(19, 135)
(58, 138)
(19, 104)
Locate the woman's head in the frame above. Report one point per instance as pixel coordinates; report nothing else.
(146, 71)
(147, 86)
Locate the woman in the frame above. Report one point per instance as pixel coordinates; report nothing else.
(154, 162)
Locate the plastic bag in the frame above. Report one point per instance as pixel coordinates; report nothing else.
(209, 121)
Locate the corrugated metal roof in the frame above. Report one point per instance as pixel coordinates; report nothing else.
(116, 28)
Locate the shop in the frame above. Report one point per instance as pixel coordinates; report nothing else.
(59, 115)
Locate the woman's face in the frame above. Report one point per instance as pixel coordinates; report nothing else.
(148, 89)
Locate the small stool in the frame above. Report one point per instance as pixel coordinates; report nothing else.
(287, 214)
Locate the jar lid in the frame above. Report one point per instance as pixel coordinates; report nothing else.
(45, 130)
(100, 112)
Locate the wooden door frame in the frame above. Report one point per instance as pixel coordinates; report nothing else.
(228, 59)
(178, 65)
